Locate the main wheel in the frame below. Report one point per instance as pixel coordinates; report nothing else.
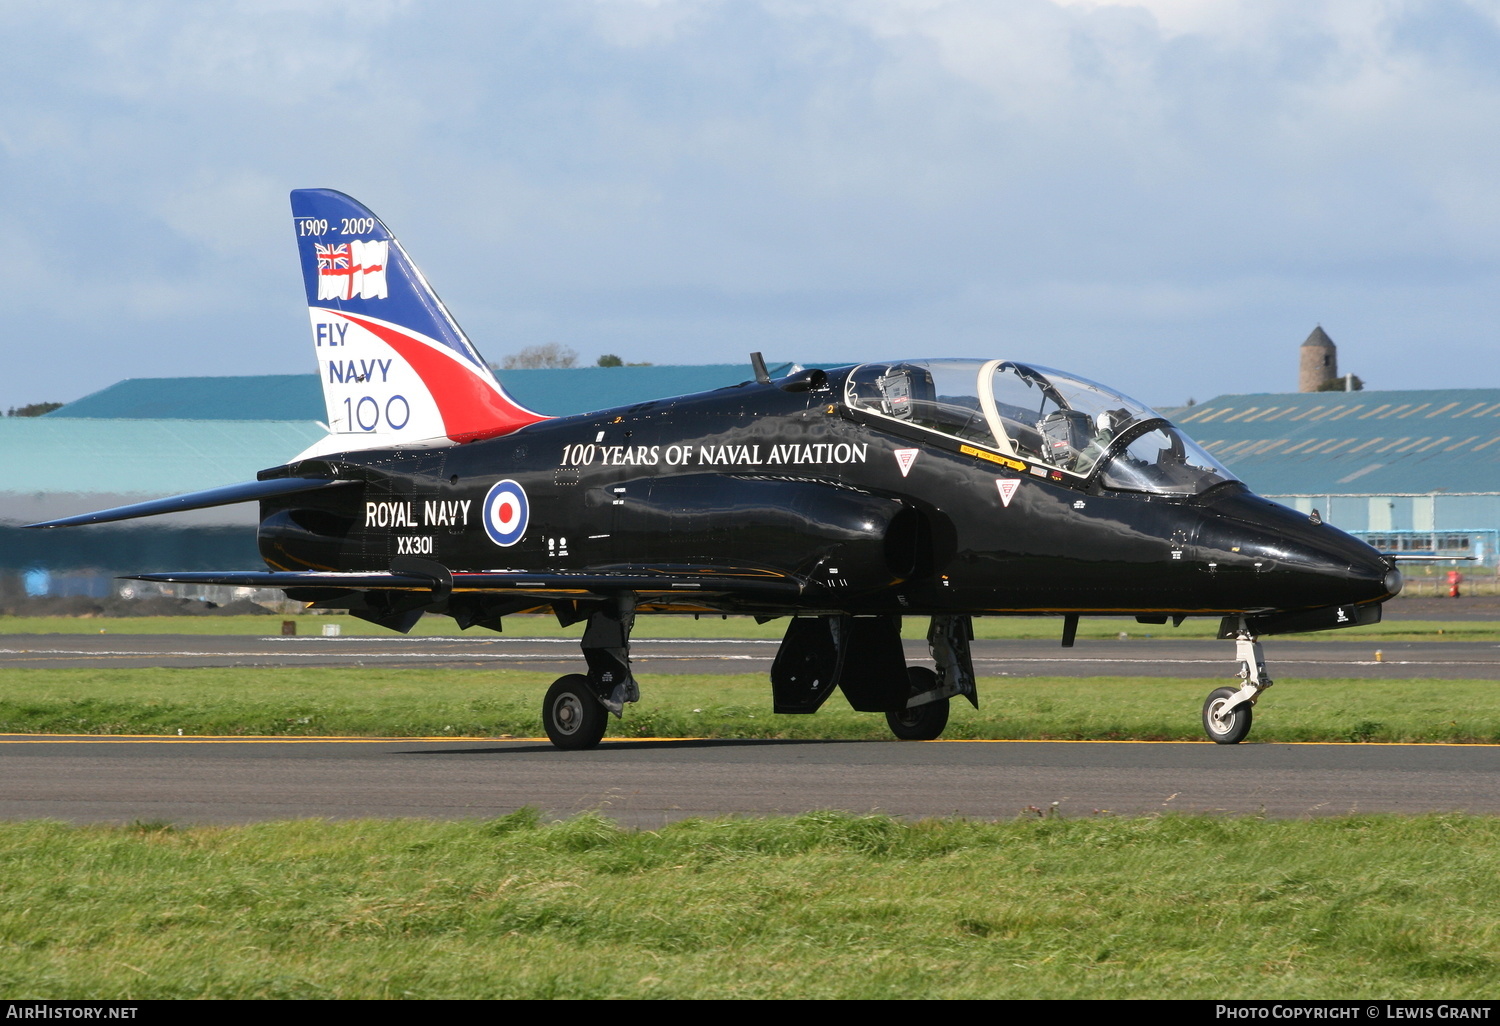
(924, 722)
(572, 714)
(1230, 730)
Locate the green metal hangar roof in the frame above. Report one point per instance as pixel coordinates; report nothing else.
(148, 437)
(555, 393)
(56, 467)
(1355, 442)
(53, 467)
(145, 438)
(1409, 471)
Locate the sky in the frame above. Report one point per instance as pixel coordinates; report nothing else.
(1163, 195)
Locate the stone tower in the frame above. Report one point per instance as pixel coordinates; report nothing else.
(1320, 361)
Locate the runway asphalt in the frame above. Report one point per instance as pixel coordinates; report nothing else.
(647, 783)
(1136, 657)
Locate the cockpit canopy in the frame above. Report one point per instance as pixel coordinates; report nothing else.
(1038, 415)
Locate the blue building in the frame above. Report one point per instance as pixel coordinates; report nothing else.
(299, 397)
(148, 437)
(1414, 472)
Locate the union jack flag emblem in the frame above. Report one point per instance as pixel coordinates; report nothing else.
(332, 256)
(352, 270)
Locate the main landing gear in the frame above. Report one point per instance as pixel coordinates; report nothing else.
(925, 713)
(1227, 712)
(572, 713)
(577, 707)
(920, 722)
(861, 656)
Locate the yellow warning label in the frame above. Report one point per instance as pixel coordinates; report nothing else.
(1004, 461)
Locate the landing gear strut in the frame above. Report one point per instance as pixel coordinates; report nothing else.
(926, 711)
(1227, 711)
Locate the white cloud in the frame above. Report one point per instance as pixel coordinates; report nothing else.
(640, 23)
(655, 177)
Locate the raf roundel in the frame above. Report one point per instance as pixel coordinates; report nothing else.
(506, 512)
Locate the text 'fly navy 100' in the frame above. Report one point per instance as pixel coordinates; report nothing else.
(843, 499)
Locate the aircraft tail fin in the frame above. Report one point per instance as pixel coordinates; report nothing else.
(394, 363)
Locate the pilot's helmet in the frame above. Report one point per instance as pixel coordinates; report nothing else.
(1108, 422)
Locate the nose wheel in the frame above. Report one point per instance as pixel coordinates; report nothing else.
(1227, 711)
(1225, 728)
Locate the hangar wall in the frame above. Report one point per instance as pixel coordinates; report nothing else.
(51, 468)
(1413, 472)
(144, 438)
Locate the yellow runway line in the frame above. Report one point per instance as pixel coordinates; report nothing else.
(154, 739)
(1243, 744)
(143, 739)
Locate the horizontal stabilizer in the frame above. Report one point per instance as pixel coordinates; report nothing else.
(541, 585)
(226, 496)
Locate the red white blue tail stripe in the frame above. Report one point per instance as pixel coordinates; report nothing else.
(394, 363)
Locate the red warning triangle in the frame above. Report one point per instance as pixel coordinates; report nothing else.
(905, 458)
(1007, 486)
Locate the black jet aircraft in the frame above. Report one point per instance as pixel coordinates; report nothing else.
(841, 499)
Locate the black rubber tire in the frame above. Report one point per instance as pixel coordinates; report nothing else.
(925, 722)
(572, 714)
(1233, 731)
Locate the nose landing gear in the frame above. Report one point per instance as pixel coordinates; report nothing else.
(1227, 711)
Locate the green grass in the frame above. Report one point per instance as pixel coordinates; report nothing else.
(425, 702)
(534, 626)
(823, 905)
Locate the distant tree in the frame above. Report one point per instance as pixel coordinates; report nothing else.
(643, 363)
(1337, 385)
(34, 410)
(546, 355)
(611, 360)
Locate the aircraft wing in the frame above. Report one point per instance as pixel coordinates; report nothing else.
(420, 575)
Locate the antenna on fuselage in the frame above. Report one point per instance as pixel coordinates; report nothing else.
(758, 363)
